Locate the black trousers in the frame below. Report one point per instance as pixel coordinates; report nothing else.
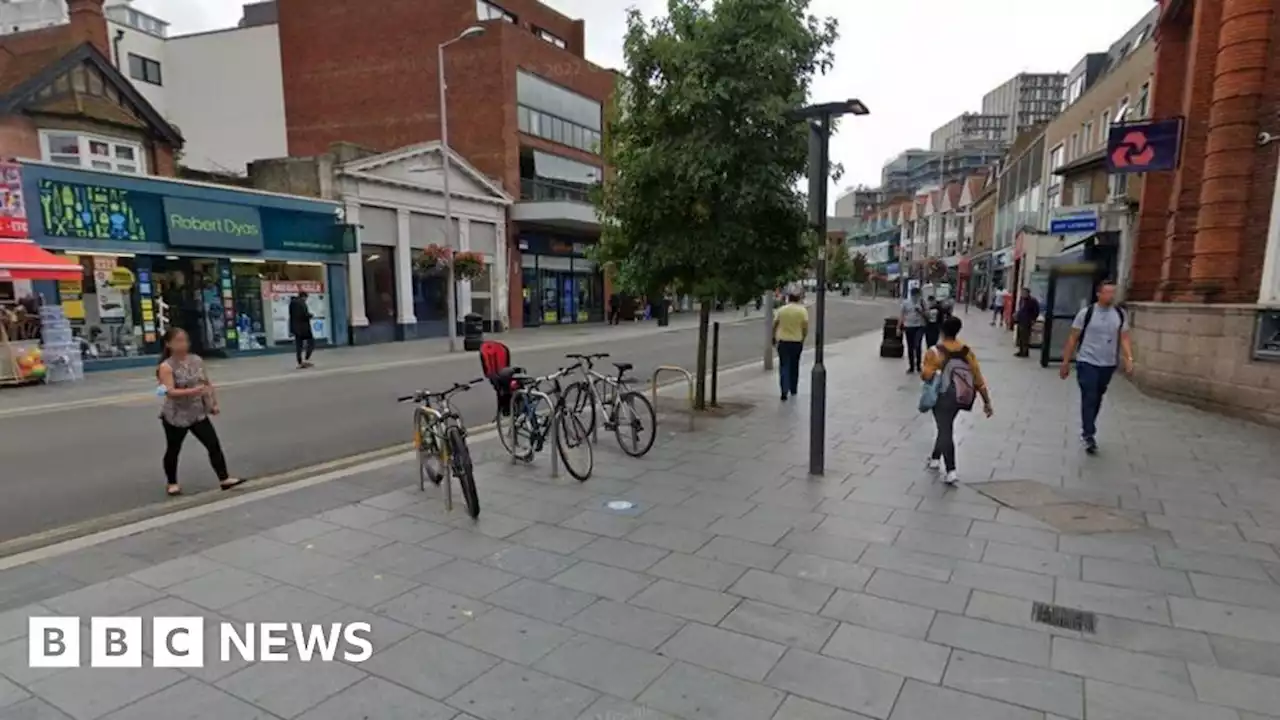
(1024, 339)
(932, 332)
(913, 336)
(944, 417)
(204, 432)
(303, 346)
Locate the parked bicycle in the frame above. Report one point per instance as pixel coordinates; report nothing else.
(628, 413)
(537, 410)
(441, 441)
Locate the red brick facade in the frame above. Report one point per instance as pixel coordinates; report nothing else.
(1202, 231)
(353, 73)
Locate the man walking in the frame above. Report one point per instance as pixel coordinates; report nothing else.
(790, 327)
(1099, 341)
(615, 309)
(911, 328)
(1027, 314)
(304, 342)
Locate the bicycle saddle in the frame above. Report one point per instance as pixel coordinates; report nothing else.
(623, 367)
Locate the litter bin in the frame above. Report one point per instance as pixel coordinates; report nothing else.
(472, 332)
(663, 310)
(890, 343)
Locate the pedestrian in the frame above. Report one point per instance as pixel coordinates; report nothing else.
(932, 321)
(997, 305)
(189, 400)
(615, 309)
(1027, 314)
(1099, 341)
(911, 328)
(790, 327)
(304, 341)
(961, 381)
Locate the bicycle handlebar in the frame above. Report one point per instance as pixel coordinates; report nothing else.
(421, 395)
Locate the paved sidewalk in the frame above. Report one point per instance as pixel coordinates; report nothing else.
(738, 587)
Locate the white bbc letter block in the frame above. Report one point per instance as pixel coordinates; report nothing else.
(177, 642)
(115, 642)
(53, 642)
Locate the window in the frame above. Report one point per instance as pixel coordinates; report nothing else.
(1081, 192)
(1144, 100)
(486, 10)
(549, 127)
(537, 93)
(1057, 158)
(144, 69)
(1122, 110)
(550, 37)
(1104, 127)
(1086, 136)
(1075, 146)
(89, 151)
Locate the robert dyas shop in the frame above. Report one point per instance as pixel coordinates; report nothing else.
(219, 262)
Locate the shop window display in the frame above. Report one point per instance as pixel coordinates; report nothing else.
(104, 308)
(379, 284)
(262, 292)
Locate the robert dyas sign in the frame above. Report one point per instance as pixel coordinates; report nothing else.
(202, 224)
(179, 642)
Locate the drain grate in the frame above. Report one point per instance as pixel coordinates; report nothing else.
(1063, 617)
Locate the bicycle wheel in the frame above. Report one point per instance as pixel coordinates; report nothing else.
(424, 439)
(578, 399)
(572, 436)
(463, 469)
(635, 414)
(514, 430)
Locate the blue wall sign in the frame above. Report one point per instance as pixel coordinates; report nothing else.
(1074, 224)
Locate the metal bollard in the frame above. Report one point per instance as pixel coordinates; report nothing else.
(715, 362)
(555, 446)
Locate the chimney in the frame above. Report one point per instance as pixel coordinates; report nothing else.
(89, 24)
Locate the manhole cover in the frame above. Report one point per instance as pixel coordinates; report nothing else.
(1082, 518)
(1064, 617)
(619, 505)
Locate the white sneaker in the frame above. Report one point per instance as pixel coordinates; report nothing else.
(952, 478)
(933, 464)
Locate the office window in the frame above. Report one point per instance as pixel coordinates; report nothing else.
(558, 130)
(144, 69)
(1086, 136)
(550, 37)
(91, 151)
(486, 10)
(537, 93)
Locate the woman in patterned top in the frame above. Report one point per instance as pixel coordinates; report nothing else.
(189, 400)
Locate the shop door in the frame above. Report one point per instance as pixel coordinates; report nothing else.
(568, 298)
(1070, 289)
(531, 297)
(549, 288)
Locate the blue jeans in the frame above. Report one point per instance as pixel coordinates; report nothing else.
(789, 366)
(1094, 380)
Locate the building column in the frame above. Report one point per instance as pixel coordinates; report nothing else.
(355, 270)
(1269, 291)
(501, 278)
(464, 286)
(404, 271)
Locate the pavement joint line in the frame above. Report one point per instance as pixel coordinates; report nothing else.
(82, 535)
(125, 398)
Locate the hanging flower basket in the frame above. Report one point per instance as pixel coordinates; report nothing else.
(467, 265)
(434, 259)
(935, 269)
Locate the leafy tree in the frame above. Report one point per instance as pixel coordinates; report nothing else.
(858, 273)
(703, 199)
(839, 269)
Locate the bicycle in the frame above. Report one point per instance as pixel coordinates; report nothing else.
(533, 413)
(624, 408)
(440, 437)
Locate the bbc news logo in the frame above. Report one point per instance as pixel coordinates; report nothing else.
(179, 642)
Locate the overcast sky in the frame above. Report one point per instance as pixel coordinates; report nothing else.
(915, 63)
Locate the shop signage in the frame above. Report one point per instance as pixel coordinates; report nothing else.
(202, 224)
(1144, 146)
(539, 245)
(13, 211)
(1072, 223)
(89, 212)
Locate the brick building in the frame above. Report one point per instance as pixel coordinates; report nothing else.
(1205, 271)
(524, 105)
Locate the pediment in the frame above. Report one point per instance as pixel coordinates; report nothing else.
(422, 166)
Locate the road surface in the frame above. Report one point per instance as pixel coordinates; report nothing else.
(74, 463)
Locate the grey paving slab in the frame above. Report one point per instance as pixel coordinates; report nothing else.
(1104, 701)
(1224, 619)
(430, 665)
(686, 601)
(512, 692)
(553, 539)
(1007, 610)
(836, 573)
(376, 698)
(866, 530)
(303, 567)
(611, 708)
(1032, 560)
(781, 625)
(465, 544)
(1152, 639)
(602, 523)
(798, 708)
(782, 590)
(681, 515)
(670, 537)
(14, 623)
(691, 692)
(946, 524)
(34, 709)
(920, 701)
(824, 545)
(11, 694)
(1251, 656)
(87, 693)
(1264, 595)
(1103, 546)
(1013, 535)
(249, 553)
(1233, 688)
(432, 609)
(941, 544)
(988, 638)
(742, 656)
(346, 543)
(92, 565)
(111, 597)
(834, 682)
(172, 572)
(605, 666)
(786, 506)
(909, 562)
(603, 580)
(1121, 602)
(1004, 581)
(918, 591)
(1136, 575)
(403, 559)
(702, 572)
(191, 700)
(1016, 683)
(467, 578)
(222, 588)
(897, 654)
(626, 624)
(1191, 560)
(283, 604)
(1122, 667)
(881, 614)
(620, 553)
(742, 552)
(288, 689)
(529, 562)
(541, 600)
(511, 637)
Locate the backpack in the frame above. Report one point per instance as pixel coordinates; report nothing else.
(957, 377)
(1088, 318)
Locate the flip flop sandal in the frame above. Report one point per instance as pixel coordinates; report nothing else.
(173, 491)
(228, 484)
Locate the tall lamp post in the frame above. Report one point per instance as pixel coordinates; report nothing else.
(450, 237)
(820, 119)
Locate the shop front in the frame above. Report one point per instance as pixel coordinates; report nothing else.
(560, 284)
(221, 263)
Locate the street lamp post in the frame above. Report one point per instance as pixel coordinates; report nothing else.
(820, 119)
(451, 238)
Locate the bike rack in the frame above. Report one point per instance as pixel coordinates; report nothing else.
(688, 376)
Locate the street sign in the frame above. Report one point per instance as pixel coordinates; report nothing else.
(1074, 224)
(1144, 146)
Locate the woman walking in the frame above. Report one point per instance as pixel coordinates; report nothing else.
(961, 381)
(189, 400)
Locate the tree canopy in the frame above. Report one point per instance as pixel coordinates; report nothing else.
(704, 195)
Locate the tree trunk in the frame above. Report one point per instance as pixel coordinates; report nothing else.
(704, 324)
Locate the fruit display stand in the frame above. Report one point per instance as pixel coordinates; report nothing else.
(21, 360)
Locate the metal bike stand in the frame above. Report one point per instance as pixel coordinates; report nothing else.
(688, 377)
(555, 447)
